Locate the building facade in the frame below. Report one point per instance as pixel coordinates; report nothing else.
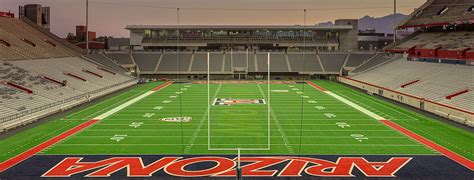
(241, 37)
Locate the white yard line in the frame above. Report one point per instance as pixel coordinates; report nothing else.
(201, 123)
(414, 118)
(116, 109)
(355, 106)
(124, 105)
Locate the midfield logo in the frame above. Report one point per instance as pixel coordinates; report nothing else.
(231, 101)
(226, 167)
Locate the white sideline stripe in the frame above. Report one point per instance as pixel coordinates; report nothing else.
(361, 109)
(124, 105)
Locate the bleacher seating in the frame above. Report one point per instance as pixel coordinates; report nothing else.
(436, 80)
(49, 96)
(439, 12)
(121, 58)
(372, 62)
(239, 59)
(332, 62)
(262, 62)
(200, 62)
(146, 61)
(278, 62)
(101, 59)
(432, 40)
(223, 62)
(21, 36)
(453, 40)
(304, 63)
(171, 64)
(356, 59)
(41, 74)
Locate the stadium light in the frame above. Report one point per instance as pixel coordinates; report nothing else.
(394, 20)
(87, 26)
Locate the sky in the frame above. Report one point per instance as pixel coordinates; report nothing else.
(109, 17)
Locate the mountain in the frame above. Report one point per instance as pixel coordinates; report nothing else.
(380, 24)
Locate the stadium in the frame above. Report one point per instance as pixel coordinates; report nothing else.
(182, 99)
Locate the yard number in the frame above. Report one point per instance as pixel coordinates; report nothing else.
(136, 124)
(342, 125)
(148, 115)
(359, 137)
(118, 137)
(330, 115)
(319, 107)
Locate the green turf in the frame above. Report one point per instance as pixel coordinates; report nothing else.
(444, 134)
(244, 126)
(14, 145)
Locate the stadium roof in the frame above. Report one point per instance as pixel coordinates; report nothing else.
(244, 27)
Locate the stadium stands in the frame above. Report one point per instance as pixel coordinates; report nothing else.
(435, 81)
(223, 62)
(438, 44)
(52, 89)
(26, 42)
(356, 59)
(372, 63)
(278, 62)
(121, 58)
(439, 12)
(170, 64)
(419, 40)
(105, 61)
(146, 61)
(200, 62)
(304, 63)
(42, 74)
(333, 62)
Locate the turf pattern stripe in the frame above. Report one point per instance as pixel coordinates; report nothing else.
(446, 152)
(31, 152)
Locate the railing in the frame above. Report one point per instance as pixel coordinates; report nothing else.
(55, 104)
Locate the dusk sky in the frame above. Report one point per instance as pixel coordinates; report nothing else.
(109, 17)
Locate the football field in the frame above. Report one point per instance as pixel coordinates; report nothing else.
(298, 119)
(191, 123)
